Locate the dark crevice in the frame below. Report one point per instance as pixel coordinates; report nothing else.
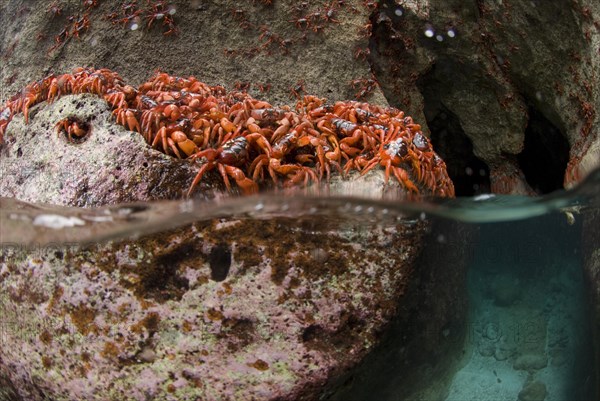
(471, 176)
(545, 154)
(220, 262)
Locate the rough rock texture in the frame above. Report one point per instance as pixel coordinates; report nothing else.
(533, 391)
(425, 344)
(510, 65)
(507, 89)
(225, 309)
(591, 262)
(211, 45)
(221, 310)
(111, 166)
(516, 80)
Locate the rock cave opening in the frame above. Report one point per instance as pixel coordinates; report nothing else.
(471, 175)
(545, 153)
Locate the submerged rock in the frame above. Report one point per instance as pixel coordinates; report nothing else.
(234, 308)
(220, 310)
(591, 265)
(533, 391)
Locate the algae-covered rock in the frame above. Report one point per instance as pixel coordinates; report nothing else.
(220, 310)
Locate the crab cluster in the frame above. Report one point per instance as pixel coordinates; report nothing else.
(249, 140)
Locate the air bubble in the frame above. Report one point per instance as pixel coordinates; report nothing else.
(134, 26)
(441, 239)
(172, 10)
(469, 171)
(439, 38)
(422, 216)
(259, 206)
(370, 209)
(357, 209)
(399, 12)
(451, 33)
(429, 32)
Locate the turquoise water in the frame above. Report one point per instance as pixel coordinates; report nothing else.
(528, 316)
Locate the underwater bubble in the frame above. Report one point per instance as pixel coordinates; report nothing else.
(285, 207)
(259, 206)
(399, 11)
(422, 216)
(439, 38)
(441, 239)
(469, 171)
(312, 210)
(171, 9)
(482, 172)
(134, 26)
(357, 209)
(451, 33)
(429, 32)
(370, 209)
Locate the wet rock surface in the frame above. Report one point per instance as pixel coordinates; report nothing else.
(227, 309)
(536, 61)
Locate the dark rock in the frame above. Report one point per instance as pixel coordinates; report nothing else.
(591, 264)
(533, 391)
